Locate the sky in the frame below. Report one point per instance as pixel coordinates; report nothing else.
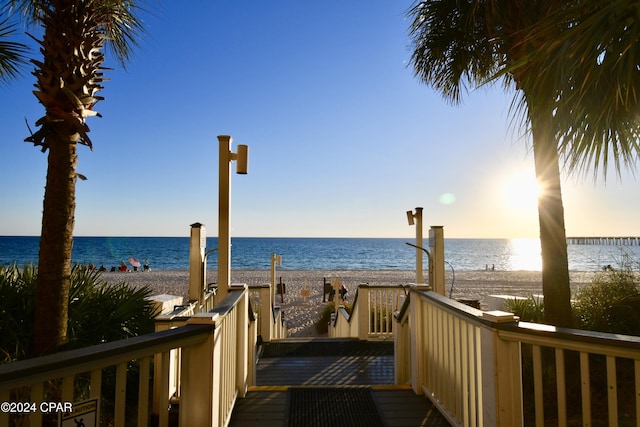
(343, 139)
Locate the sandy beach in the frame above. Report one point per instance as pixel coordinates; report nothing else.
(302, 315)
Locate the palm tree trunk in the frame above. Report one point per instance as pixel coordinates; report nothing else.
(56, 243)
(553, 240)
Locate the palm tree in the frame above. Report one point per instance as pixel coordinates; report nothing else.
(459, 43)
(69, 76)
(12, 54)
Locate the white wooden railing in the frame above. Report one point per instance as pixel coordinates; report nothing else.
(486, 369)
(213, 368)
(372, 313)
(271, 322)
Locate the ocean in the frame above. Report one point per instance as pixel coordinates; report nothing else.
(172, 253)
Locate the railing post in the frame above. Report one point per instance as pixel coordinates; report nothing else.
(266, 315)
(436, 266)
(501, 375)
(364, 315)
(201, 379)
(197, 267)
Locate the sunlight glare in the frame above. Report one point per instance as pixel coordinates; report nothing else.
(521, 192)
(525, 255)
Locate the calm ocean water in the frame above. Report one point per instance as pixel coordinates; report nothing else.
(172, 253)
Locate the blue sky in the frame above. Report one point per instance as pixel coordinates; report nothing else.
(343, 139)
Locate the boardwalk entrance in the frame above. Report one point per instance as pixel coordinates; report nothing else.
(330, 379)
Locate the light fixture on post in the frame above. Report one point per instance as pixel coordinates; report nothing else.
(416, 219)
(226, 156)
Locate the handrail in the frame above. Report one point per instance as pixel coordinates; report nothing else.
(571, 339)
(39, 369)
(221, 341)
(479, 371)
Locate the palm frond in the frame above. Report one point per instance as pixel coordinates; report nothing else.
(122, 26)
(12, 54)
(591, 58)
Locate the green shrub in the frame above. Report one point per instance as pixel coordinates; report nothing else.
(610, 303)
(322, 325)
(530, 309)
(102, 312)
(17, 298)
(98, 311)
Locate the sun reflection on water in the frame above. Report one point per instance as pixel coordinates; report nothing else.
(525, 255)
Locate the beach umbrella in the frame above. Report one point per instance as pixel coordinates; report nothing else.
(134, 262)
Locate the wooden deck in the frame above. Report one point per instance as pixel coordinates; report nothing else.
(342, 363)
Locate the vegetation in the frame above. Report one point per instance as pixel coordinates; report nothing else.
(530, 309)
(560, 82)
(69, 76)
(17, 298)
(98, 311)
(598, 48)
(12, 54)
(608, 304)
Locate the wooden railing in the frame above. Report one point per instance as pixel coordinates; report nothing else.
(214, 367)
(481, 368)
(372, 313)
(271, 322)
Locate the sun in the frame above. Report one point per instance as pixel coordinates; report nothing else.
(521, 191)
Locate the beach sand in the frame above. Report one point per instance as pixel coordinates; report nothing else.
(301, 315)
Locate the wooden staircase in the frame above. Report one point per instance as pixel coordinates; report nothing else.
(336, 382)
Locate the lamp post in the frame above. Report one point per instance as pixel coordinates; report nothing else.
(226, 156)
(275, 260)
(416, 219)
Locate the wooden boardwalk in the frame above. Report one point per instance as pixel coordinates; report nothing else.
(330, 363)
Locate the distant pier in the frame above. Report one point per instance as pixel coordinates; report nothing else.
(614, 241)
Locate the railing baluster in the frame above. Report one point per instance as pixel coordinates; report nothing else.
(457, 388)
(612, 391)
(4, 416)
(96, 383)
(465, 360)
(67, 388)
(37, 396)
(636, 368)
(163, 365)
(477, 381)
(537, 385)
(143, 391)
(561, 387)
(585, 381)
(120, 394)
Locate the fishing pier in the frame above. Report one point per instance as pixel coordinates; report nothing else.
(613, 241)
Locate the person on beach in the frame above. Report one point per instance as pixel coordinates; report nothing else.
(343, 293)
